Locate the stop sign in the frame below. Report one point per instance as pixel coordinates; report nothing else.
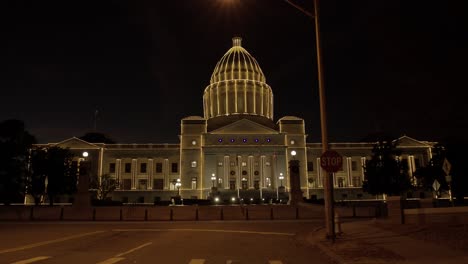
(331, 161)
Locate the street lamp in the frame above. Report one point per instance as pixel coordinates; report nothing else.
(178, 184)
(328, 188)
(281, 178)
(213, 179)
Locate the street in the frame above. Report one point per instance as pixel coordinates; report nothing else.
(275, 242)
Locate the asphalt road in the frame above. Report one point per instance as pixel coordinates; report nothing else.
(246, 242)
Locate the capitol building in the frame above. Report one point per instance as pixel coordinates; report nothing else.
(237, 148)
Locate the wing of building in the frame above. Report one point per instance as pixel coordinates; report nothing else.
(235, 149)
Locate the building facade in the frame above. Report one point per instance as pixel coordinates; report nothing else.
(235, 149)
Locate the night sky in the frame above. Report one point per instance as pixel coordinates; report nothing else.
(398, 67)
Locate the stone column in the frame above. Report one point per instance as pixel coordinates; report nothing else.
(239, 172)
(363, 164)
(118, 171)
(250, 169)
(227, 165)
(150, 171)
(294, 182)
(262, 171)
(349, 171)
(274, 176)
(134, 173)
(166, 174)
(319, 174)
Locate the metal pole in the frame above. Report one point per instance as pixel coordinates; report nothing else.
(328, 188)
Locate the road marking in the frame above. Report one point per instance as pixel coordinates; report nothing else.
(197, 261)
(133, 249)
(275, 262)
(119, 257)
(48, 242)
(111, 261)
(31, 260)
(206, 230)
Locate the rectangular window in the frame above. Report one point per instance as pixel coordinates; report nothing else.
(354, 165)
(128, 167)
(357, 181)
(159, 167)
(256, 184)
(244, 164)
(142, 184)
(127, 184)
(143, 168)
(111, 167)
(340, 182)
(174, 167)
(193, 164)
(232, 185)
(158, 184)
(312, 183)
(194, 183)
(220, 164)
(310, 166)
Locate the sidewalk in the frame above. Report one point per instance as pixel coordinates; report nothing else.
(379, 242)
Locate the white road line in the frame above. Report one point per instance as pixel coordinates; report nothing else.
(275, 262)
(111, 261)
(206, 230)
(133, 249)
(119, 257)
(31, 260)
(197, 261)
(48, 242)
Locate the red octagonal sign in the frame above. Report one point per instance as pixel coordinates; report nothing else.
(331, 161)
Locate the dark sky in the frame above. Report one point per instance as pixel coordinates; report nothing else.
(394, 66)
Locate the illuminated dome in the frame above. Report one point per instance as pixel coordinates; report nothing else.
(238, 87)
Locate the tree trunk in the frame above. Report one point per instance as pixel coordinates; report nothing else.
(37, 200)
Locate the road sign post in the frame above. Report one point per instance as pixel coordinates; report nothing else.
(331, 162)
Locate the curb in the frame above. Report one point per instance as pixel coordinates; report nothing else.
(315, 238)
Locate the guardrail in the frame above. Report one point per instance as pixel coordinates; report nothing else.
(159, 213)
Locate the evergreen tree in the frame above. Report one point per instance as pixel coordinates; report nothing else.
(384, 173)
(15, 143)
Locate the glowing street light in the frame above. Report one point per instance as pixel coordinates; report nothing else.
(213, 178)
(281, 178)
(85, 154)
(178, 184)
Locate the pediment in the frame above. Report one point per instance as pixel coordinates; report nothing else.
(406, 141)
(76, 143)
(244, 126)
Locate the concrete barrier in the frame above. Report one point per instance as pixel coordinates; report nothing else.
(283, 212)
(210, 213)
(447, 215)
(365, 211)
(310, 211)
(108, 213)
(346, 211)
(15, 213)
(49, 213)
(159, 213)
(78, 214)
(234, 212)
(183, 213)
(259, 212)
(134, 213)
